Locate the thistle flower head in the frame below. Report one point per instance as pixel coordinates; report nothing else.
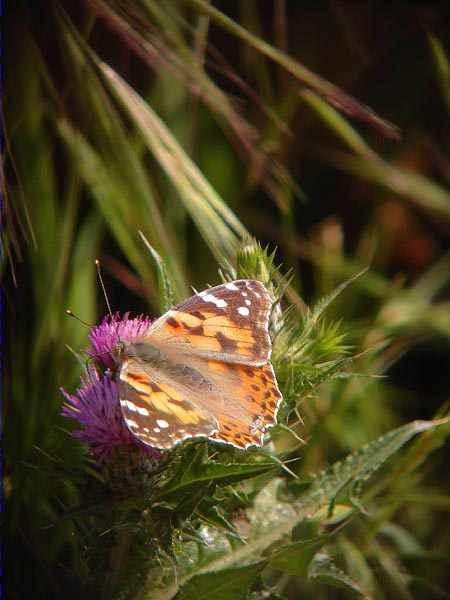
(96, 404)
(112, 330)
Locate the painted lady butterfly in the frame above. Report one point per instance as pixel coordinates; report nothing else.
(203, 370)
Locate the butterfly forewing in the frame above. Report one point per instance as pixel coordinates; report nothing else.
(228, 322)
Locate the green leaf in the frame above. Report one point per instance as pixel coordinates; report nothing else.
(403, 539)
(323, 570)
(325, 302)
(165, 288)
(347, 475)
(358, 566)
(413, 187)
(110, 164)
(295, 558)
(338, 124)
(229, 584)
(215, 517)
(273, 518)
(333, 94)
(224, 474)
(442, 67)
(219, 226)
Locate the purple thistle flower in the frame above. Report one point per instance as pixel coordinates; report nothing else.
(95, 405)
(112, 330)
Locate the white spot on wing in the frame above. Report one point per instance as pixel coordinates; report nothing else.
(131, 406)
(243, 310)
(244, 294)
(231, 286)
(248, 302)
(142, 411)
(156, 429)
(163, 424)
(217, 301)
(131, 423)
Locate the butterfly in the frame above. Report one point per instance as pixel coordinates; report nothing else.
(203, 370)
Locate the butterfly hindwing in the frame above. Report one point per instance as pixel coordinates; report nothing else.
(158, 412)
(245, 402)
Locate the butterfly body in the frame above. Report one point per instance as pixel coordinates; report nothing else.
(203, 370)
(143, 351)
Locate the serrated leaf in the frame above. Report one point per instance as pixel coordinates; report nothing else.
(229, 584)
(305, 530)
(295, 558)
(347, 475)
(214, 516)
(273, 518)
(221, 473)
(323, 570)
(271, 514)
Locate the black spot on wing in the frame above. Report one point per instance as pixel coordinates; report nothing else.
(173, 323)
(228, 345)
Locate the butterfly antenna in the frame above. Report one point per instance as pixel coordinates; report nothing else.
(100, 278)
(71, 314)
(76, 355)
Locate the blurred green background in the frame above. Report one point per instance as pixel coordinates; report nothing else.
(200, 124)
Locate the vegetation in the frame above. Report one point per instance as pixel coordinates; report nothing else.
(240, 145)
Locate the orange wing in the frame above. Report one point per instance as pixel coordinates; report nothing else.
(226, 323)
(244, 399)
(207, 371)
(160, 412)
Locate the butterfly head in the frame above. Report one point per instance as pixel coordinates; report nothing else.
(118, 351)
(140, 350)
(111, 338)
